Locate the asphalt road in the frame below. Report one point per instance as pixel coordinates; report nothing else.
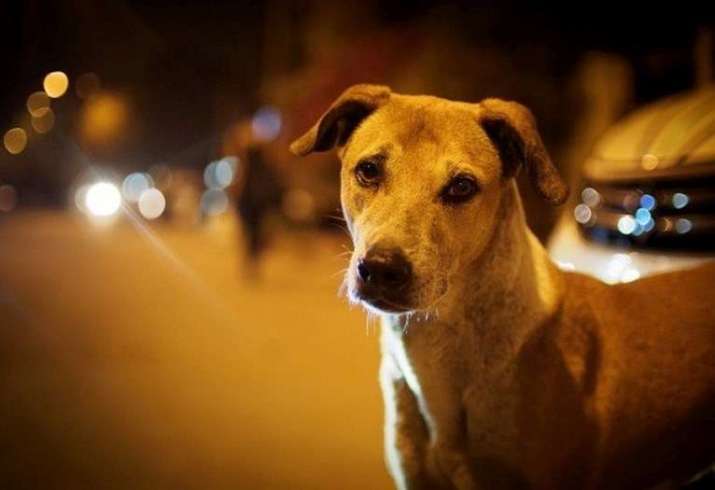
(139, 359)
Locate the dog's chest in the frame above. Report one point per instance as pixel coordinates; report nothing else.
(453, 385)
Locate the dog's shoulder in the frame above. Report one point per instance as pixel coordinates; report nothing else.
(582, 297)
(689, 285)
(673, 303)
(687, 294)
(569, 340)
(668, 316)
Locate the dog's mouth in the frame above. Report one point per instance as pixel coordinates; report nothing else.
(395, 302)
(380, 300)
(385, 305)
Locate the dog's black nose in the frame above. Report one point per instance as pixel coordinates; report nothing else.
(385, 268)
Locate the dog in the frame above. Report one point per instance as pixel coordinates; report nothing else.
(500, 371)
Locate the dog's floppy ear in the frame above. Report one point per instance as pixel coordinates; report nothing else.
(341, 119)
(512, 129)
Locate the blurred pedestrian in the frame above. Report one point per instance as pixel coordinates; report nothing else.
(259, 194)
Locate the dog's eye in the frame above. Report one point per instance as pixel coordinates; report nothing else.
(368, 172)
(460, 189)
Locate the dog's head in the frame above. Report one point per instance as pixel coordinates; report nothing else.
(421, 183)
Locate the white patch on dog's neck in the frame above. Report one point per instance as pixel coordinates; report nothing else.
(515, 283)
(546, 276)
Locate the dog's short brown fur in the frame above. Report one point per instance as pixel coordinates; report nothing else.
(499, 370)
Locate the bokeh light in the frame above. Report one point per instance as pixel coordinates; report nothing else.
(620, 268)
(590, 197)
(664, 224)
(638, 229)
(643, 216)
(680, 200)
(103, 199)
(220, 173)
(648, 202)
(152, 203)
(15, 140)
(38, 103)
(582, 214)
(210, 176)
(44, 123)
(225, 171)
(627, 224)
(55, 84)
(683, 226)
(213, 202)
(565, 265)
(104, 118)
(8, 198)
(647, 227)
(135, 184)
(630, 274)
(649, 162)
(266, 123)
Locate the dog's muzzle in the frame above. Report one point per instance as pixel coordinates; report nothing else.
(384, 279)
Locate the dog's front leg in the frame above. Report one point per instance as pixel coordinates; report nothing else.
(453, 463)
(448, 452)
(406, 432)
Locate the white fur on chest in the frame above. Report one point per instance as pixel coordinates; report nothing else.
(451, 380)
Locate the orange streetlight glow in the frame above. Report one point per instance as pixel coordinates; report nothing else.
(15, 140)
(56, 84)
(44, 123)
(38, 103)
(104, 118)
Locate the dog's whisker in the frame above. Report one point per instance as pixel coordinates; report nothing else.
(342, 228)
(406, 323)
(343, 290)
(336, 217)
(432, 307)
(370, 320)
(340, 272)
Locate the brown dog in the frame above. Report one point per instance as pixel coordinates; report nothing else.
(499, 370)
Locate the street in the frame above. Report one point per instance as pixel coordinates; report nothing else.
(136, 357)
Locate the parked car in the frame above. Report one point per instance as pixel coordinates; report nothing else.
(647, 203)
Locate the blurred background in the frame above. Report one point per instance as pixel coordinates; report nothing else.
(169, 273)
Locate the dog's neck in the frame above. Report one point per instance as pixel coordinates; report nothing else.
(507, 292)
(514, 275)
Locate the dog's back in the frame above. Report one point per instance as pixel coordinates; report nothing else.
(648, 355)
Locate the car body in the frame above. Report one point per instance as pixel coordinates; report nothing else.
(647, 203)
